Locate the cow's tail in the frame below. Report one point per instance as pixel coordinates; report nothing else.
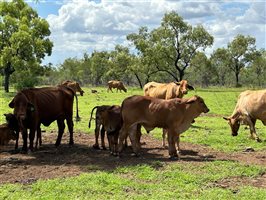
(77, 107)
(89, 125)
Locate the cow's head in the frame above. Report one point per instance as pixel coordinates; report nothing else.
(112, 118)
(12, 121)
(22, 107)
(200, 104)
(234, 123)
(184, 87)
(78, 88)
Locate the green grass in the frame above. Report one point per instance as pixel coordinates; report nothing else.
(173, 181)
(159, 180)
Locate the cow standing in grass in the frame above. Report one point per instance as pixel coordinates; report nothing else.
(116, 84)
(174, 115)
(36, 106)
(251, 105)
(167, 91)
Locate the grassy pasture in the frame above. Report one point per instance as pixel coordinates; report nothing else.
(173, 180)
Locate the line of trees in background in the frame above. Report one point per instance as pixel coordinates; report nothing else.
(173, 51)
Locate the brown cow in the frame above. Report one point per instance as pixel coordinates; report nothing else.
(36, 106)
(112, 123)
(98, 125)
(74, 85)
(251, 105)
(6, 134)
(116, 84)
(174, 115)
(109, 116)
(166, 91)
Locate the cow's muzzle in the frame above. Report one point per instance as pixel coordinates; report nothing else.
(234, 134)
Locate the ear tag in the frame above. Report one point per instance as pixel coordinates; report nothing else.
(32, 109)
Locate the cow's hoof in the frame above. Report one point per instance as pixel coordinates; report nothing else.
(134, 155)
(104, 148)
(96, 146)
(258, 140)
(175, 157)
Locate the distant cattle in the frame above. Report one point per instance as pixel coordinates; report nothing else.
(107, 119)
(174, 115)
(74, 85)
(116, 84)
(251, 105)
(36, 106)
(167, 91)
(6, 134)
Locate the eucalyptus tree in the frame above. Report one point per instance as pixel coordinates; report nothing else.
(24, 42)
(170, 47)
(240, 52)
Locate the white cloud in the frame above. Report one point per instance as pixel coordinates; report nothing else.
(83, 26)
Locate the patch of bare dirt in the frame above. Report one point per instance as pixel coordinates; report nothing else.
(50, 162)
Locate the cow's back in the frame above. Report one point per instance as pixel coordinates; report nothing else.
(51, 103)
(253, 103)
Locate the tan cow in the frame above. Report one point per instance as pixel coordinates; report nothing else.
(174, 115)
(116, 84)
(6, 134)
(74, 85)
(167, 91)
(251, 105)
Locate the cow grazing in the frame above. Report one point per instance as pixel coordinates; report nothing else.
(74, 85)
(251, 105)
(6, 134)
(112, 123)
(167, 91)
(174, 115)
(116, 84)
(36, 106)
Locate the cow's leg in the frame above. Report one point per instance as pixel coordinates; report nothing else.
(253, 134)
(102, 138)
(61, 128)
(134, 139)
(177, 143)
(115, 142)
(172, 138)
(96, 132)
(25, 140)
(70, 126)
(138, 135)
(163, 136)
(109, 138)
(17, 138)
(31, 137)
(122, 136)
(39, 137)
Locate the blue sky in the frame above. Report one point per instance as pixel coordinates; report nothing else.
(79, 26)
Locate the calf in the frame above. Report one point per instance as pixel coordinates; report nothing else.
(6, 134)
(174, 115)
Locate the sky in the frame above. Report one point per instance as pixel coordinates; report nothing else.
(84, 26)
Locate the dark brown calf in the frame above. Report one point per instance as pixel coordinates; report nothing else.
(6, 134)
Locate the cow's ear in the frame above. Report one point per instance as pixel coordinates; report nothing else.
(191, 100)
(31, 107)
(190, 87)
(11, 104)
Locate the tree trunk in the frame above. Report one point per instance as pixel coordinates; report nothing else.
(237, 79)
(139, 81)
(7, 76)
(181, 75)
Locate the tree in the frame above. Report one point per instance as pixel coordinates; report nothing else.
(23, 42)
(170, 47)
(241, 51)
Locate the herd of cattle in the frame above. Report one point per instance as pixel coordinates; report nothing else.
(162, 106)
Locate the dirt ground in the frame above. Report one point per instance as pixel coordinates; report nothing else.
(50, 162)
